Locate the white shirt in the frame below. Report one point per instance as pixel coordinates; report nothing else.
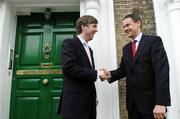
(86, 47)
(138, 38)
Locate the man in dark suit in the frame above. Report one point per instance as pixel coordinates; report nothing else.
(78, 98)
(147, 72)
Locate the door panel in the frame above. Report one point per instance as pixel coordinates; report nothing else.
(37, 72)
(32, 103)
(31, 49)
(58, 38)
(28, 83)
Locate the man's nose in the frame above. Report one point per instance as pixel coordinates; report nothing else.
(125, 29)
(96, 29)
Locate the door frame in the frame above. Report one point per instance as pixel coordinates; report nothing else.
(10, 10)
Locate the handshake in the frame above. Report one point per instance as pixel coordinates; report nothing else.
(104, 74)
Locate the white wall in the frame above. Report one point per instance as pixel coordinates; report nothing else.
(7, 38)
(107, 58)
(1, 28)
(164, 29)
(174, 17)
(104, 47)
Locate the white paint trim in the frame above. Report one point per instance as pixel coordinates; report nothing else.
(7, 41)
(2, 14)
(105, 54)
(165, 30)
(42, 7)
(174, 6)
(173, 17)
(113, 60)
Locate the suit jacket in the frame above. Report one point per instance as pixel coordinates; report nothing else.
(147, 76)
(78, 98)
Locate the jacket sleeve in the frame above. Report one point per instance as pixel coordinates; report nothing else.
(161, 71)
(118, 73)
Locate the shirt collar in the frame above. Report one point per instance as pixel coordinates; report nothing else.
(138, 37)
(82, 40)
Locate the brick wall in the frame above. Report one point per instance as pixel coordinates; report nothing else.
(122, 8)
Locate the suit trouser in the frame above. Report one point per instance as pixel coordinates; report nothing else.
(91, 117)
(92, 112)
(133, 113)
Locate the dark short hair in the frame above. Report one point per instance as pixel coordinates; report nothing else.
(134, 17)
(85, 21)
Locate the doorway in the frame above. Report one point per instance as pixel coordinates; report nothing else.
(37, 72)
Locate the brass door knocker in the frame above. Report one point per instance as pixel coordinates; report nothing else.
(47, 50)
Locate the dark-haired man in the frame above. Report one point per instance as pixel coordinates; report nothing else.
(145, 65)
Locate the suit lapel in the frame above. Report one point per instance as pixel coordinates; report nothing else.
(84, 51)
(129, 52)
(139, 49)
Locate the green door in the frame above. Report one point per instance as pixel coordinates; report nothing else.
(37, 74)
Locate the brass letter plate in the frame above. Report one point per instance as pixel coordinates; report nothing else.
(39, 72)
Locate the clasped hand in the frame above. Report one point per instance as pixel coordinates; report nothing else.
(104, 74)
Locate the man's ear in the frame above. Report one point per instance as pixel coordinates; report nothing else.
(82, 27)
(138, 22)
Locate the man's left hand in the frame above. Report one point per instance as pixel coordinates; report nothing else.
(159, 111)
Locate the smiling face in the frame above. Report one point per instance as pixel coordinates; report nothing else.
(89, 31)
(131, 28)
(86, 27)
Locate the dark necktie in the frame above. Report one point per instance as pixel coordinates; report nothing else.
(88, 52)
(133, 48)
